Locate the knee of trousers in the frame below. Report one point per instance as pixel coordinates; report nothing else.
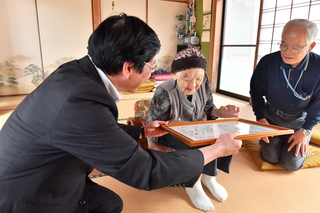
(293, 165)
(115, 207)
(271, 158)
(103, 205)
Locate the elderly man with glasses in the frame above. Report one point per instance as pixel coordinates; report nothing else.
(285, 91)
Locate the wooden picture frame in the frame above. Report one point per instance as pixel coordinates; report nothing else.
(206, 132)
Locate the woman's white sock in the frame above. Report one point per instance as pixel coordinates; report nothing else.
(199, 197)
(215, 188)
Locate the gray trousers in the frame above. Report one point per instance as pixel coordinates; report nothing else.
(276, 150)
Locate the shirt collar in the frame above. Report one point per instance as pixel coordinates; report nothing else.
(108, 84)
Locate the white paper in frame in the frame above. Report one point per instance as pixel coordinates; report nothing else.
(206, 132)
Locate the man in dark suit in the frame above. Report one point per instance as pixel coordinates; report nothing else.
(68, 126)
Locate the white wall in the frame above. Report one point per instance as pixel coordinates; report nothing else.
(40, 35)
(161, 18)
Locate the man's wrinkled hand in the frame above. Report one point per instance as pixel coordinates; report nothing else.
(227, 144)
(298, 140)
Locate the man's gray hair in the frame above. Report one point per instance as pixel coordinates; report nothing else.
(311, 28)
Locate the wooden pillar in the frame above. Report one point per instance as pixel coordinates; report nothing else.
(96, 13)
(215, 39)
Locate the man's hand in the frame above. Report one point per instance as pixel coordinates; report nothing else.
(298, 140)
(153, 129)
(225, 145)
(264, 121)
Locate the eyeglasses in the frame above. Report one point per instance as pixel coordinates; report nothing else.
(153, 68)
(295, 50)
(187, 79)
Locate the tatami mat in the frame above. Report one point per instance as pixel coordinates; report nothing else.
(166, 200)
(250, 190)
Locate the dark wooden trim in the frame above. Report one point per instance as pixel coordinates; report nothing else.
(215, 38)
(96, 13)
(258, 35)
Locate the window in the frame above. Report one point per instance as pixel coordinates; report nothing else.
(276, 14)
(240, 28)
(239, 53)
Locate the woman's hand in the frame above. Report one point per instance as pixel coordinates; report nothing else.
(229, 111)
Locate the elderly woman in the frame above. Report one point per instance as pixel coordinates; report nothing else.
(188, 97)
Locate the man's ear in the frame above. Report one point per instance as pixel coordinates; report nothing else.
(312, 46)
(127, 69)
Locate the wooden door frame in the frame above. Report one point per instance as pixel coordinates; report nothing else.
(215, 41)
(96, 13)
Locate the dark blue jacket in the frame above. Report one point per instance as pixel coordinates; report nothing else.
(268, 80)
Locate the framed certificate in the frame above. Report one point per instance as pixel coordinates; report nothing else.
(206, 132)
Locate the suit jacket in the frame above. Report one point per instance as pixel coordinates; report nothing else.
(64, 129)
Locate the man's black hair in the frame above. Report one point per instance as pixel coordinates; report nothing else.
(120, 39)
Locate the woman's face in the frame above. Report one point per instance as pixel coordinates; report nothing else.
(189, 80)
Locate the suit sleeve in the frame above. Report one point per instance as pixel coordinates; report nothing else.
(86, 127)
(133, 131)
